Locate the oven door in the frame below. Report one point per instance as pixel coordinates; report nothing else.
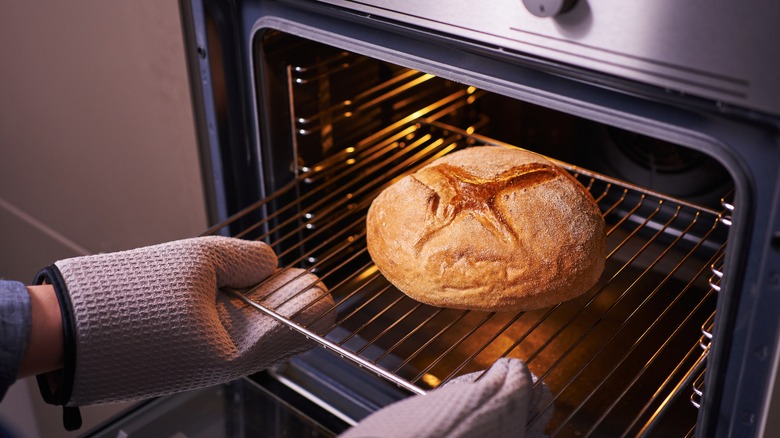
(260, 407)
(307, 111)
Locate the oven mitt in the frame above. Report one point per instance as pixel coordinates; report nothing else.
(500, 404)
(152, 321)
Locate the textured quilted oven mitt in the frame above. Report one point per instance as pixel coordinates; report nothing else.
(152, 320)
(503, 403)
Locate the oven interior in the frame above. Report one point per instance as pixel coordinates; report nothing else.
(627, 358)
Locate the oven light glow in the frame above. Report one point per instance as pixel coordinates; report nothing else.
(348, 114)
(470, 130)
(471, 90)
(368, 272)
(431, 380)
(349, 150)
(351, 161)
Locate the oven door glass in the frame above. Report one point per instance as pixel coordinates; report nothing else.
(251, 407)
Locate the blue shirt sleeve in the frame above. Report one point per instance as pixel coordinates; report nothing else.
(15, 326)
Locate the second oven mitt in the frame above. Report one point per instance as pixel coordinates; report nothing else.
(504, 402)
(152, 320)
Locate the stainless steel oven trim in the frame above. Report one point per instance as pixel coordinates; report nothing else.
(664, 54)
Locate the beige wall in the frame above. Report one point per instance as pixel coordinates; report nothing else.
(97, 143)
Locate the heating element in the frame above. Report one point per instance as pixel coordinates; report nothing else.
(621, 360)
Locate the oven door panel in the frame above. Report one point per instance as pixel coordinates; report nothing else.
(266, 41)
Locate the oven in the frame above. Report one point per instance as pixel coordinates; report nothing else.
(667, 113)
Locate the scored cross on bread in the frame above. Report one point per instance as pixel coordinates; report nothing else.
(488, 228)
(457, 191)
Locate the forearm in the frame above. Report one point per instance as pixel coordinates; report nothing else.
(45, 350)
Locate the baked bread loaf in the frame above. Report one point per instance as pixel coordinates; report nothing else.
(488, 228)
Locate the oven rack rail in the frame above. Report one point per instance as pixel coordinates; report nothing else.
(611, 357)
(716, 278)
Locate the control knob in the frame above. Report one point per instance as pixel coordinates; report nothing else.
(548, 8)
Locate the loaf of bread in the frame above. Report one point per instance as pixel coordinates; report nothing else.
(488, 228)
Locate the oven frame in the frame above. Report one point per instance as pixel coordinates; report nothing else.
(740, 374)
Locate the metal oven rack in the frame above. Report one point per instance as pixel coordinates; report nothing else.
(618, 359)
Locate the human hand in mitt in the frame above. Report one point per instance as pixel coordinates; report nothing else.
(503, 403)
(152, 321)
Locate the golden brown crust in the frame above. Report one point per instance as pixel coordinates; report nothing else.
(488, 228)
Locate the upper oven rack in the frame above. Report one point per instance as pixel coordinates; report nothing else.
(618, 360)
